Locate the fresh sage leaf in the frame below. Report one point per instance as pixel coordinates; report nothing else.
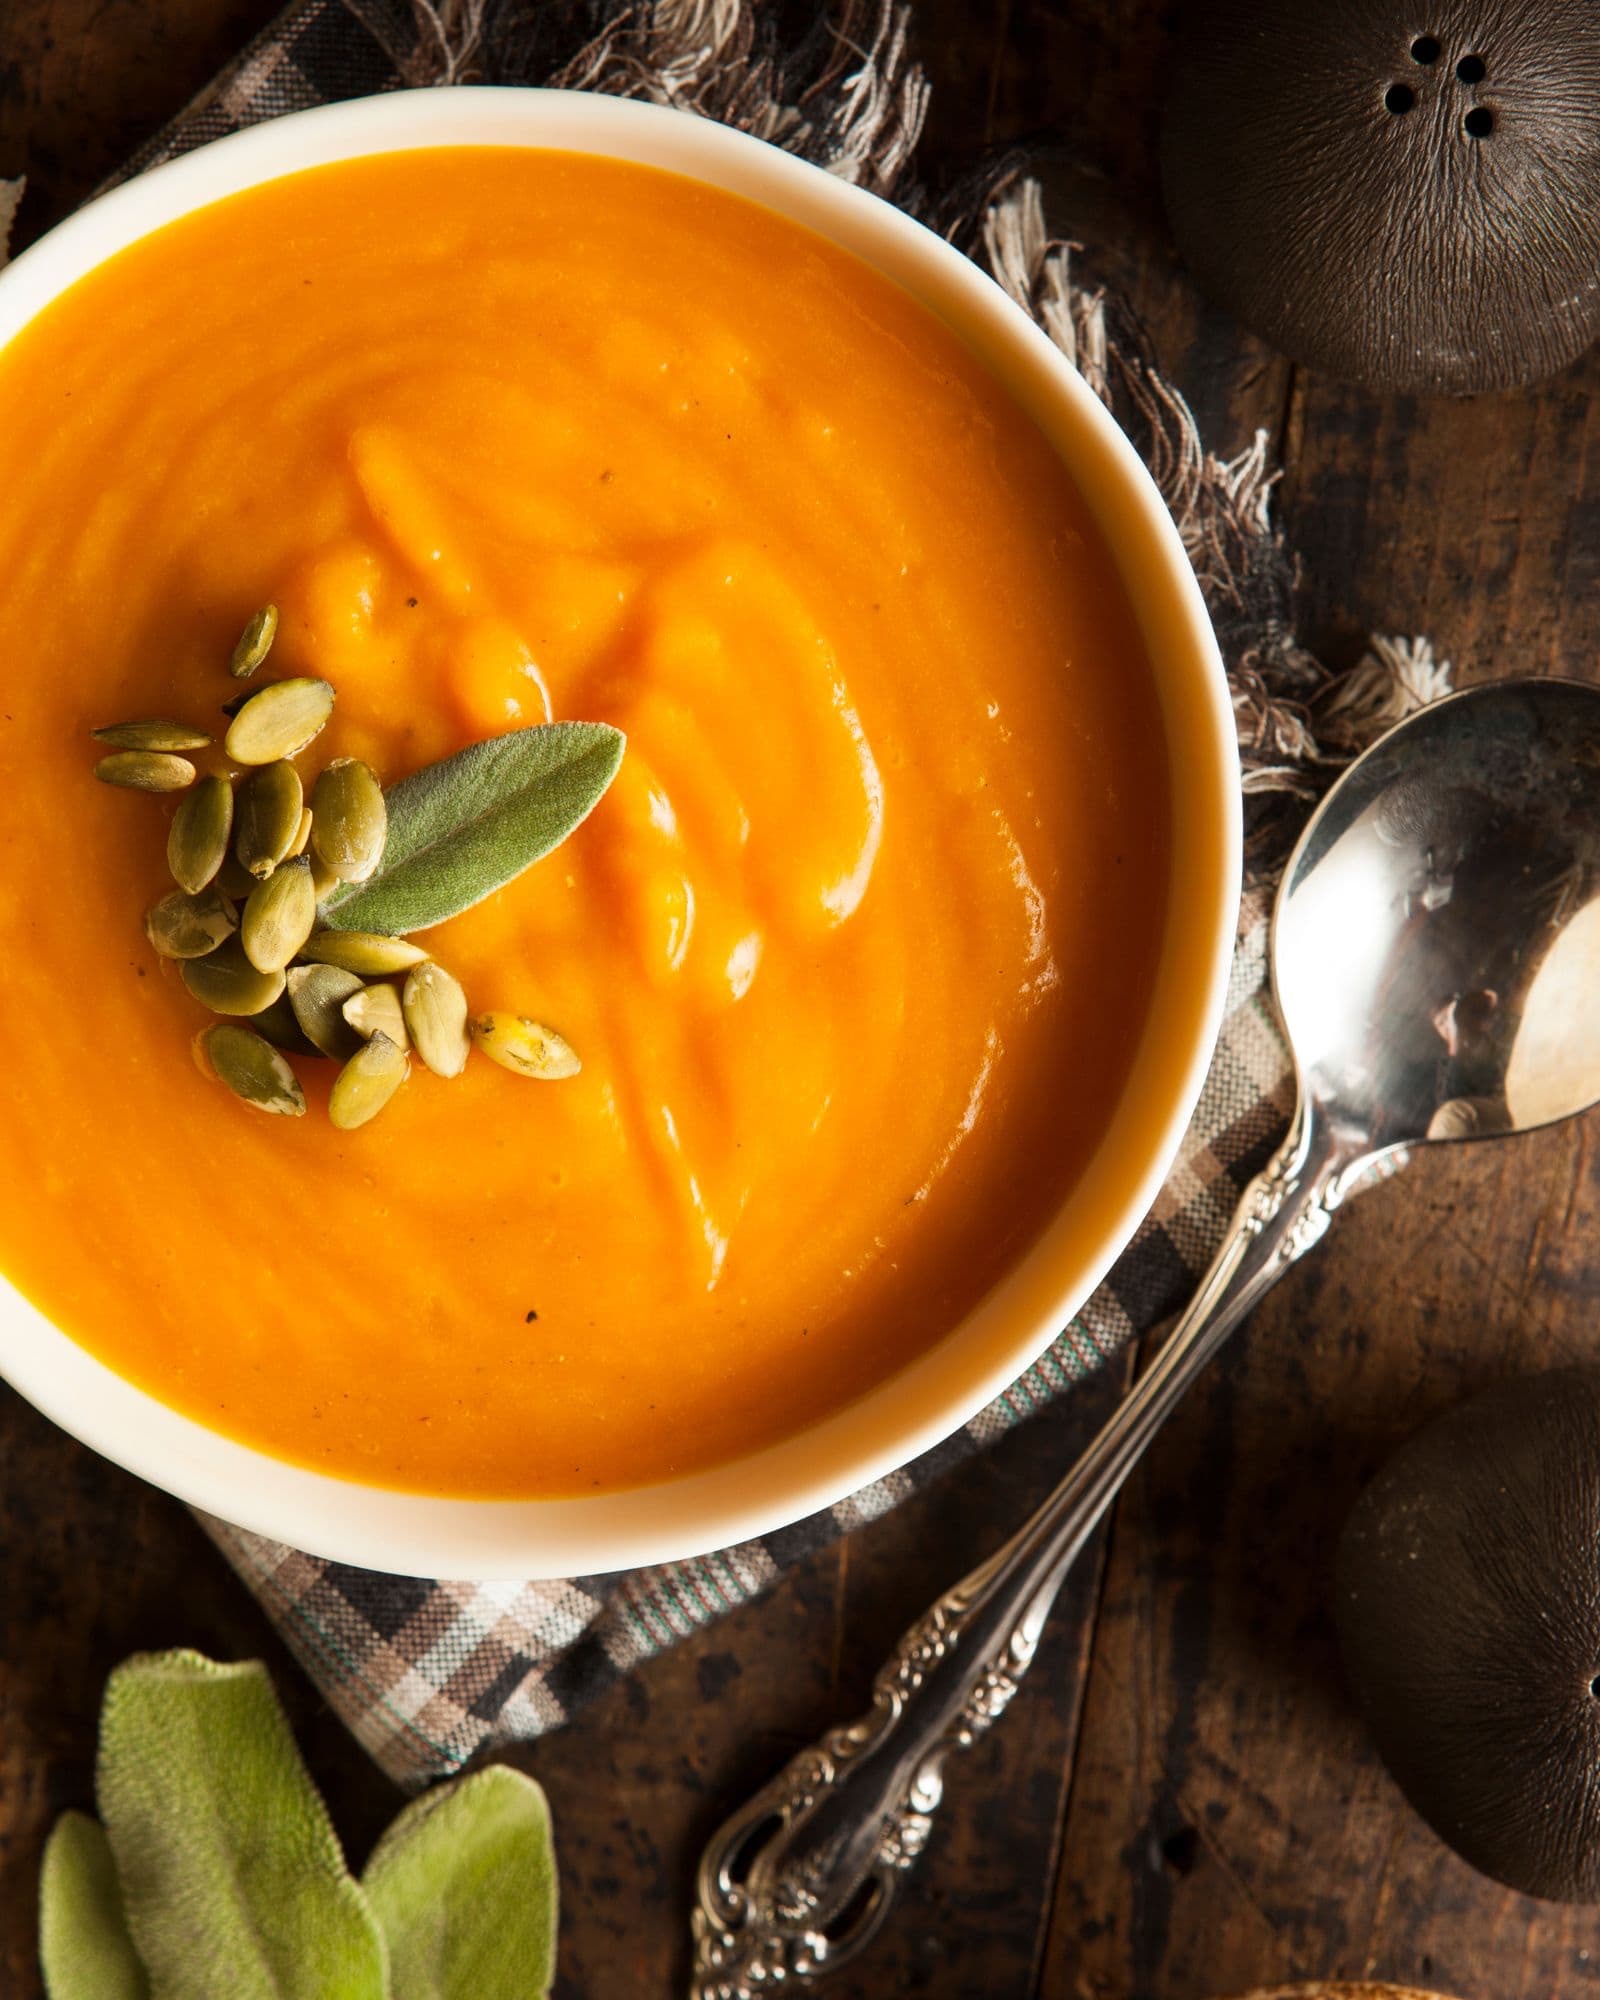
(84, 1947)
(465, 827)
(232, 1876)
(464, 1885)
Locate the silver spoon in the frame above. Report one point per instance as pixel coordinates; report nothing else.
(1436, 961)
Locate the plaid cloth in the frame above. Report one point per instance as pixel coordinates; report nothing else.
(430, 1675)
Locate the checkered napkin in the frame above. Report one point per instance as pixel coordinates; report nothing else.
(431, 1674)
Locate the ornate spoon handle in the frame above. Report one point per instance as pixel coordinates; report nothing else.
(798, 1880)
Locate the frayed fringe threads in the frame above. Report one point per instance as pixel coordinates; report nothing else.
(848, 97)
(10, 202)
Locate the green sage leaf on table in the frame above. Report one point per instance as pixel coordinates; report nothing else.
(84, 1947)
(462, 828)
(232, 1876)
(464, 1885)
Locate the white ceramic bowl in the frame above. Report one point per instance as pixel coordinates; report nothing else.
(425, 1535)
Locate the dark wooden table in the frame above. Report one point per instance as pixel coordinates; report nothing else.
(1181, 1802)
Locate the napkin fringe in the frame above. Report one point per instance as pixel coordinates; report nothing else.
(847, 96)
(11, 193)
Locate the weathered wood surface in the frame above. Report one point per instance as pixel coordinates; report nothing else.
(1181, 1802)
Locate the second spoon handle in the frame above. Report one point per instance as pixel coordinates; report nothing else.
(799, 1878)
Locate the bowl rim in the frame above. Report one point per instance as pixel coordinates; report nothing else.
(774, 1487)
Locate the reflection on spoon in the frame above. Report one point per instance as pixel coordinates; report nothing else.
(1555, 1059)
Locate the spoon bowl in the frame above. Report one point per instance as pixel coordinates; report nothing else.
(1436, 943)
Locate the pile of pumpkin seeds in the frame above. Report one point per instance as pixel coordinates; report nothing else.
(252, 857)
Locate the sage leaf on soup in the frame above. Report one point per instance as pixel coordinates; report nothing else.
(85, 1951)
(464, 1886)
(231, 1873)
(463, 828)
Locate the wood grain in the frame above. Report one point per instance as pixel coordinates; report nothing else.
(83, 82)
(1180, 1803)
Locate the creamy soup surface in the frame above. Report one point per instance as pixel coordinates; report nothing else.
(855, 951)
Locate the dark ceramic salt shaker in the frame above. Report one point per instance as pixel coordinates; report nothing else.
(1404, 193)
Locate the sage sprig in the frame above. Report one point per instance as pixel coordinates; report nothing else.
(218, 1871)
(462, 828)
(471, 1847)
(231, 1873)
(84, 1946)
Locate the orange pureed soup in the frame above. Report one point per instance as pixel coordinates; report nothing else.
(856, 950)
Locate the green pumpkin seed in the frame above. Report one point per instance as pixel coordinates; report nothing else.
(197, 840)
(252, 1069)
(436, 1014)
(323, 879)
(280, 1025)
(255, 642)
(376, 1010)
(302, 838)
(185, 926)
(268, 811)
(235, 702)
(367, 1082)
(352, 821)
(145, 771)
(226, 982)
(371, 953)
(525, 1047)
(234, 880)
(278, 916)
(152, 736)
(279, 721)
(317, 994)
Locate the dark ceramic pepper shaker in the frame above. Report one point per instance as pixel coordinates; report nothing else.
(1405, 193)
